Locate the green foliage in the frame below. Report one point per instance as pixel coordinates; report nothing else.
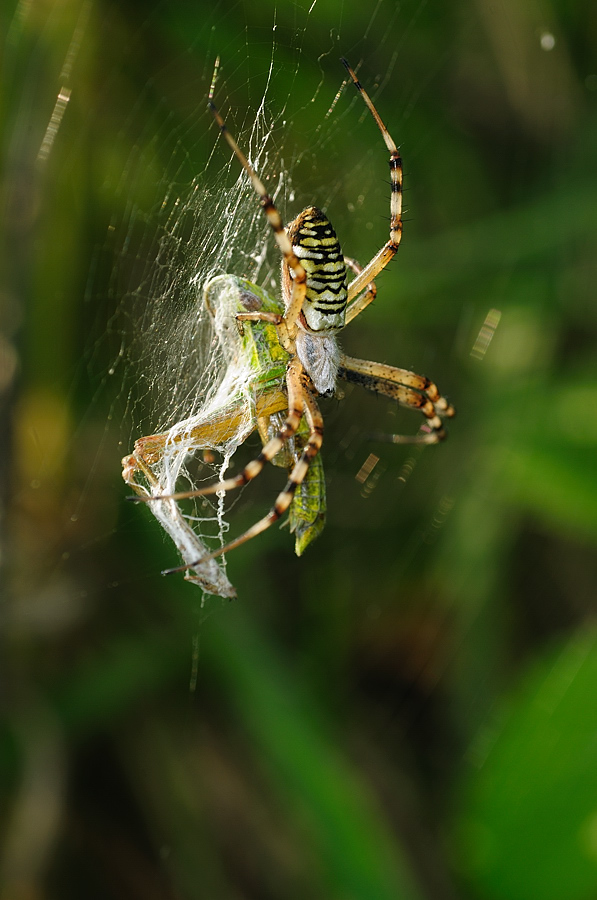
(529, 811)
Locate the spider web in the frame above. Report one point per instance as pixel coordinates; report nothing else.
(185, 212)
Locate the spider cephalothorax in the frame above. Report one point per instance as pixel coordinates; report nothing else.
(316, 304)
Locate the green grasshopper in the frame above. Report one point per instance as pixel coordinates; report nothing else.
(255, 365)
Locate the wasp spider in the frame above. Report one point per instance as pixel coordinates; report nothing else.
(317, 304)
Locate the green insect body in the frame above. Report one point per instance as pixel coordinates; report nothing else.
(307, 510)
(254, 346)
(306, 514)
(251, 348)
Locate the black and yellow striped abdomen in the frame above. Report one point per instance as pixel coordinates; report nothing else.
(315, 243)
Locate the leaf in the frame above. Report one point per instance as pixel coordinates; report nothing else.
(528, 828)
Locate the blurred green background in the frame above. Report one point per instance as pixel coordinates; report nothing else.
(410, 710)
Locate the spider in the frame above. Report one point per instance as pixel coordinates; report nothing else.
(317, 303)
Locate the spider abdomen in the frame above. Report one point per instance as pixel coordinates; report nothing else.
(316, 245)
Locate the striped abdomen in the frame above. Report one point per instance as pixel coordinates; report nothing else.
(315, 243)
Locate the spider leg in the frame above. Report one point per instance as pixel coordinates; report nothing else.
(299, 284)
(362, 302)
(253, 468)
(148, 450)
(408, 388)
(388, 251)
(399, 376)
(284, 499)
